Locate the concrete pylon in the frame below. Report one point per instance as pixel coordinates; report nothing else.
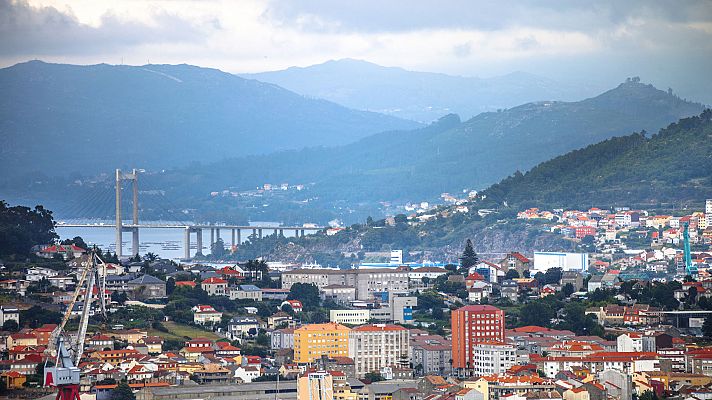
(120, 176)
(186, 243)
(199, 242)
(119, 227)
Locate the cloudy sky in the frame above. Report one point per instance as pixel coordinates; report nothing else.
(668, 43)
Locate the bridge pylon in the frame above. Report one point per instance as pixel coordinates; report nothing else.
(133, 177)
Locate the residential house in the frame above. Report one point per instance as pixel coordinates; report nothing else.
(206, 315)
(215, 287)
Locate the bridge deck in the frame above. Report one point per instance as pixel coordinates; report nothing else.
(241, 227)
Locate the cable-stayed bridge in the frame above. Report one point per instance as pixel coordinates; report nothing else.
(133, 226)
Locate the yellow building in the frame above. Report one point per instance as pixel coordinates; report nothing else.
(314, 340)
(13, 380)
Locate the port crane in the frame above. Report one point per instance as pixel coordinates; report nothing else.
(65, 373)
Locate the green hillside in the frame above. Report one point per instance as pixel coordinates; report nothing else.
(672, 166)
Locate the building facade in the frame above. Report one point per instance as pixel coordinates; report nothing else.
(373, 347)
(314, 340)
(471, 325)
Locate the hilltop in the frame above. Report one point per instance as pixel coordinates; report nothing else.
(90, 119)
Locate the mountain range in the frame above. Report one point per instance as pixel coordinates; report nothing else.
(420, 96)
(198, 131)
(60, 119)
(670, 168)
(450, 155)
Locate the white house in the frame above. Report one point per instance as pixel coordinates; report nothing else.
(247, 374)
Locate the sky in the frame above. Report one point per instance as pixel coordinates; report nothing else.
(667, 43)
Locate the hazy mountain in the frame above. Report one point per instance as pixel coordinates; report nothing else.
(451, 155)
(421, 96)
(62, 118)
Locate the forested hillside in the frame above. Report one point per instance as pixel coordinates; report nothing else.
(674, 165)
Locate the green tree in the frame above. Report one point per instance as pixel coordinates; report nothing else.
(307, 293)
(122, 392)
(10, 325)
(469, 257)
(536, 313)
(374, 376)
(512, 274)
(568, 289)
(37, 316)
(552, 276)
(77, 241)
(707, 327)
(170, 286)
(217, 249)
(23, 227)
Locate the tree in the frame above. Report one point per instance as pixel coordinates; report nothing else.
(23, 227)
(512, 274)
(469, 257)
(119, 297)
(374, 376)
(122, 392)
(536, 313)
(170, 286)
(425, 280)
(10, 325)
(217, 249)
(552, 276)
(707, 327)
(568, 289)
(150, 257)
(307, 293)
(77, 241)
(37, 316)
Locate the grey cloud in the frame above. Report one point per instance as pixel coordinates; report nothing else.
(37, 31)
(408, 15)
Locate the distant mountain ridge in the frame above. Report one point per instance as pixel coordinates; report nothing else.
(451, 155)
(94, 118)
(421, 96)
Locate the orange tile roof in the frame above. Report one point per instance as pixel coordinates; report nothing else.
(378, 328)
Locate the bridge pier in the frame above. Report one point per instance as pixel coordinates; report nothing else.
(217, 234)
(302, 232)
(199, 240)
(232, 231)
(186, 243)
(239, 237)
(281, 232)
(259, 233)
(212, 237)
(134, 245)
(275, 232)
(296, 233)
(254, 232)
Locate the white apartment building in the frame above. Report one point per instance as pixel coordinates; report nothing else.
(351, 317)
(492, 357)
(373, 347)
